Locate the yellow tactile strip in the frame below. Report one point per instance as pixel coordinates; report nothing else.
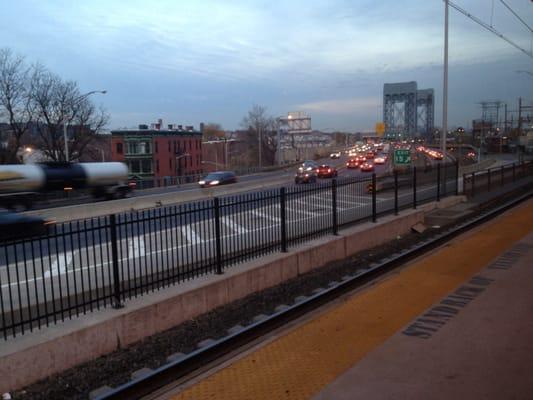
(300, 363)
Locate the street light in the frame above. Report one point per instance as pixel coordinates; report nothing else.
(76, 101)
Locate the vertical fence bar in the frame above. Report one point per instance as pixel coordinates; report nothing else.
(438, 182)
(414, 187)
(114, 259)
(514, 172)
(457, 177)
(502, 174)
(216, 205)
(334, 206)
(374, 190)
(283, 216)
(395, 192)
(488, 180)
(473, 183)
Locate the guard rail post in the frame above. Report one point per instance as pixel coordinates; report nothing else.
(282, 211)
(414, 187)
(457, 177)
(114, 262)
(438, 182)
(473, 183)
(216, 206)
(374, 190)
(334, 205)
(395, 192)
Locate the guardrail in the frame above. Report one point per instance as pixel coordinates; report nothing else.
(489, 179)
(84, 265)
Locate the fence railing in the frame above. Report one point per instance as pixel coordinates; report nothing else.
(478, 182)
(84, 265)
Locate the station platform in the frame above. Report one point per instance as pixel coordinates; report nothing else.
(456, 323)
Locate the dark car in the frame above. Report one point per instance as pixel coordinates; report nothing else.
(367, 167)
(17, 226)
(326, 171)
(218, 178)
(305, 176)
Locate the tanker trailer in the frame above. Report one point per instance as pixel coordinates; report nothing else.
(22, 185)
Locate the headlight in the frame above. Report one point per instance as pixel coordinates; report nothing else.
(214, 182)
(201, 182)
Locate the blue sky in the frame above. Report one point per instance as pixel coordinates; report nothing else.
(209, 61)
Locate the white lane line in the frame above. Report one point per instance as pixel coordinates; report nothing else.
(298, 210)
(136, 247)
(266, 216)
(236, 227)
(59, 267)
(191, 235)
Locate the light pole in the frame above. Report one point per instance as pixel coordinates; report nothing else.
(74, 103)
(178, 162)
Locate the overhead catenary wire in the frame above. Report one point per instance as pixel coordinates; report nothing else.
(517, 16)
(490, 28)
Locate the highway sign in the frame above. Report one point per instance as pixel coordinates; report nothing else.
(402, 156)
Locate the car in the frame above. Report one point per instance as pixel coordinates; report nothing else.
(218, 178)
(370, 155)
(335, 154)
(305, 176)
(15, 226)
(309, 165)
(353, 163)
(379, 160)
(367, 167)
(326, 171)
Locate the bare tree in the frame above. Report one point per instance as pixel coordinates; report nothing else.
(59, 103)
(261, 136)
(15, 105)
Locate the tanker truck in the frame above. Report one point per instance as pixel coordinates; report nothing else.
(22, 185)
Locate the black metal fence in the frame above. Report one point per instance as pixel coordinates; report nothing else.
(88, 264)
(489, 179)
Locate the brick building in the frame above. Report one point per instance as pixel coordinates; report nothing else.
(157, 153)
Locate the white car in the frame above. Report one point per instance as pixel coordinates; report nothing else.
(335, 154)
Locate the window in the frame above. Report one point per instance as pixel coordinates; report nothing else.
(146, 166)
(119, 148)
(169, 160)
(168, 146)
(135, 166)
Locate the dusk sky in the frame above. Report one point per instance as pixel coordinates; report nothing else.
(211, 60)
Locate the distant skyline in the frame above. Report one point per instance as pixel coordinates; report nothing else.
(210, 61)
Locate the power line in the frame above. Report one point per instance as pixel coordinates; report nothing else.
(490, 28)
(517, 16)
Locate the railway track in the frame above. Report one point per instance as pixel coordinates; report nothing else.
(153, 381)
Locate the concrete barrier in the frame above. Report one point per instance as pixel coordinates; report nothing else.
(31, 357)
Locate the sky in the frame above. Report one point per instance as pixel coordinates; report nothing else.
(211, 60)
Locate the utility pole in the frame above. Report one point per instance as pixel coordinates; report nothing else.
(445, 85)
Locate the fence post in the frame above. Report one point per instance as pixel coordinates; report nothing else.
(334, 201)
(445, 177)
(374, 190)
(216, 205)
(395, 192)
(488, 180)
(414, 187)
(457, 177)
(282, 210)
(473, 183)
(438, 182)
(503, 173)
(114, 260)
(514, 172)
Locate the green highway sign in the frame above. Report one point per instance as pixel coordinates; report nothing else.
(402, 156)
